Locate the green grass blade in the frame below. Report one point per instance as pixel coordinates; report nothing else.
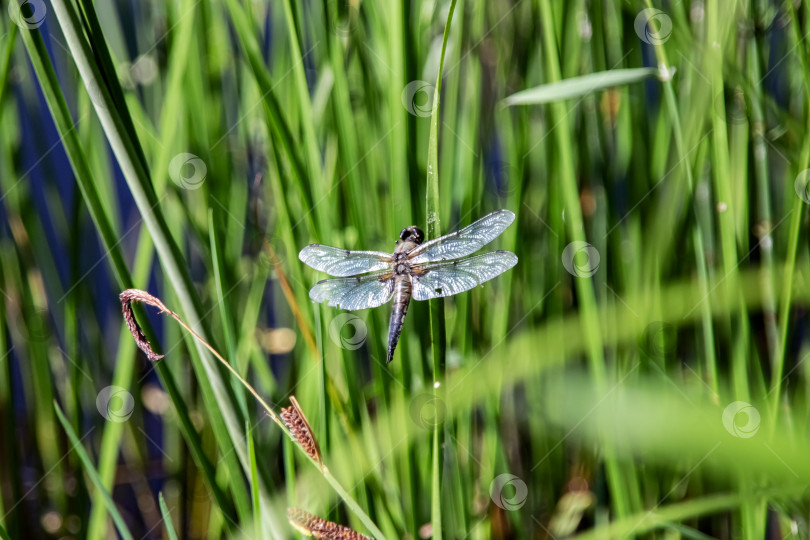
(90, 469)
(167, 518)
(5, 59)
(437, 324)
(659, 517)
(576, 87)
(254, 485)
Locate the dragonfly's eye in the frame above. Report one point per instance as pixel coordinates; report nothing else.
(419, 236)
(404, 234)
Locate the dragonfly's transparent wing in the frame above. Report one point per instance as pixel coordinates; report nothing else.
(343, 262)
(465, 241)
(359, 292)
(435, 280)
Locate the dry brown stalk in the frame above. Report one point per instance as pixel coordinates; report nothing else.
(137, 295)
(288, 294)
(297, 421)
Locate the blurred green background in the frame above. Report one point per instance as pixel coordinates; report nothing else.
(640, 372)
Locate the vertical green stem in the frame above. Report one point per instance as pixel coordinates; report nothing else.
(437, 326)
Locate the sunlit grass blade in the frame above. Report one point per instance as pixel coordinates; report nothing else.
(579, 86)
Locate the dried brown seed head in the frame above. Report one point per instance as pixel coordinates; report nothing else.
(312, 525)
(127, 297)
(294, 418)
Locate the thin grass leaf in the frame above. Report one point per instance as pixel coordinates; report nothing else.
(438, 335)
(651, 520)
(5, 59)
(576, 87)
(90, 469)
(254, 484)
(167, 518)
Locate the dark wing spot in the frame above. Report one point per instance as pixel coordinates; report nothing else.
(438, 290)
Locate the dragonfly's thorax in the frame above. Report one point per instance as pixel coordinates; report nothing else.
(401, 263)
(402, 267)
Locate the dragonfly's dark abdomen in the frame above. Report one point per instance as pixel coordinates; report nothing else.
(402, 297)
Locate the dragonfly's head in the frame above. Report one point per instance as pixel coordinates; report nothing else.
(413, 234)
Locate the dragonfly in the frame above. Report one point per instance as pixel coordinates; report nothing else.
(416, 269)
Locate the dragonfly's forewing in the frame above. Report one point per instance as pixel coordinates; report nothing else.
(465, 241)
(434, 280)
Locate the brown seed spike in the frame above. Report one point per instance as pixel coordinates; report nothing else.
(294, 418)
(127, 297)
(311, 525)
